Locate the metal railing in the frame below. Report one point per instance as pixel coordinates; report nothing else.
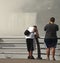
(22, 48)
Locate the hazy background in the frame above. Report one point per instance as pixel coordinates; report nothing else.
(17, 15)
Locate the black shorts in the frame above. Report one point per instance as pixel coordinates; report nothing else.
(29, 43)
(50, 42)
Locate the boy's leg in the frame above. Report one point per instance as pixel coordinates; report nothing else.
(38, 49)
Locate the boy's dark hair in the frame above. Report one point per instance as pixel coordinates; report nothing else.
(35, 26)
(52, 19)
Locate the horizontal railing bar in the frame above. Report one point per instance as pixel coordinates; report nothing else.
(21, 43)
(16, 48)
(19, 38)
(22, 53)
(58, 43)
(27, 53)
(23, 48)
(16, 43)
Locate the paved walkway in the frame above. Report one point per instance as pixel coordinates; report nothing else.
(26, 61)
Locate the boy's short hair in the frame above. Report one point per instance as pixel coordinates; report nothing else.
(35, 26)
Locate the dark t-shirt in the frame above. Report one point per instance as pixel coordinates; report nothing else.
(51, 30)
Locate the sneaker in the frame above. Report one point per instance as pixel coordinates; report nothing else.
(54, 59)
(39, 57)
(28, 57)
(32, 57)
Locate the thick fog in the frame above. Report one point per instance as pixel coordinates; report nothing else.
(16, 15)
(45, 10)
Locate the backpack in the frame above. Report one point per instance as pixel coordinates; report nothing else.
(26, 32)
